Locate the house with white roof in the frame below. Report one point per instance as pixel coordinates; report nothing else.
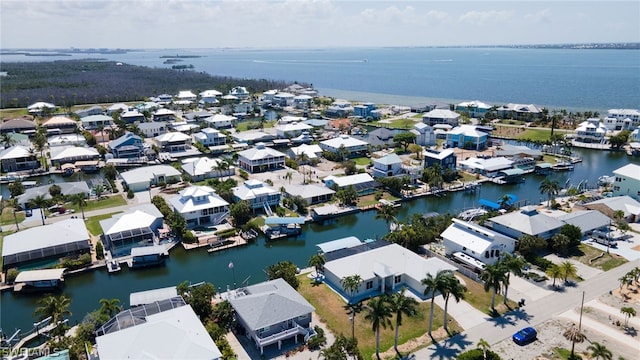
(424, 133)
(302, 101)
(209, 97)
(210, 137)
(446, 158)
(441, 116)
(476, 241)
(313, 152)
(67, 140)
(186, 95)
(131, 116)
(164, 114)
(60, 125)
(283, 99)
(351, 146)
(518, 151)
(18, 158)
(240, 92)
(253, 137)
(221, 121)
(260, 158)
(526, 221)
(519, 111)
(128, 145)
(290, 130)
(52, 241)
(142, 178)
(363, 183)
(488, 167)
(162, 329)
(39, 107)
(93, 110)
(467, 137)
(475, 109)
(384, 269)
(68, 154)
(95, 121)
(622, 119)
(118, 107)
(389, 165)
(339, 109)
(627, 181)
(271, 312)
(609, 205)
(138, 225)
(173, 142)
(200, 206)
(66, 188)
(257, 193)
(205, 168)
(312, 193)
(152, 129)
(587, 220)
(591, 131)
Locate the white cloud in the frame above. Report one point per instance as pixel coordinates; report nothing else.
(540, 17)
(480, 18)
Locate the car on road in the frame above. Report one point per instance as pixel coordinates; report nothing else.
(525, 336)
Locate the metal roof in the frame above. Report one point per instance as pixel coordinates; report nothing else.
(40, 275)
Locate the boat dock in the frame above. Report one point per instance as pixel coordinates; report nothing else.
(227, 243)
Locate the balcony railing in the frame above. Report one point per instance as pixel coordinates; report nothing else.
(282, 335)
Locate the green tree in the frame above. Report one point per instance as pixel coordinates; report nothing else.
(568, 270)
(628, 312)
(433, 285)
(199, 297)
(80, 200)
(400, 304)
(454, 288)
(16, 188)
(514, 265)
(55, 306)
(379, 314)
(404, 139)
(416, 149)
(599, 351)
(573, 232)
(40, 143)
(39, 202)
(223, 315)
(342, 349)
(347, 195)
(110, 172)
(574, 335)
(7, 140)
(529, 244)
(555, 272)
(110, 307)
(285, 270)
(317, 261)
(493, 277)
(55, 190)
(484, 346)
(240, 212)
(388, 213)
(561, 244)
(351, 285)
(549, 187)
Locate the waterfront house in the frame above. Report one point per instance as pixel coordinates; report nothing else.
(162, 329)
(60, 125)
(441, 130)
(142, 178)
(163, 114)
(173, 142)
(127, 146)
(526, 221)
(260, 158)
(152, 129)
(184, 127)
(291, 130)
(271, 312)
(117, 108)
(441, 116)
(364, 110)
(18, 125)
(627, 181)
(519, 111)
(258, 194)
(131, 116)
(489, 167)
(467, 137)
(67, 140)
(363, 183)
(622, 119)
(48, 242)
(339, 109)
(635, 136)
(445, 158)
(66, 188)
(425, 135)
(302, 101)
(384, 268)
(587, 220)
(253, 137)
(345, 145)
(200, 206)
(240, 92)
(70, 154)
(475, 109)
(18, 158)
(591, 131)
(313, 152)
(95, 121)
(93, 110)
(197, 115)
(186, 96)
(209, 97)
(312, 193)
(609, 205)
(138, 226)
(389, 165)
(203, 168)
(522, 151)
(221, 121)
(17, 139)
(482, 244)
(283, 99)
(380, 137)
(210, 137)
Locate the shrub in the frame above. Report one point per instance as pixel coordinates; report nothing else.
(243, 174)
(189, 238)
(290, 163)
(130, 194)
(99, 250)
(227, 233)
(478, 354)
(75, 262)
(11, 275)
(317, 341)
(540, 262)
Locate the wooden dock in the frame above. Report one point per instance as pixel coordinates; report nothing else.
(33, 335)
(230, 243)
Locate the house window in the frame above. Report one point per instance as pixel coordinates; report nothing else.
(302, 317)
(397, 279)
(369, 284)
(486, 254)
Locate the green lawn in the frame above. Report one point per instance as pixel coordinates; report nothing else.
(111, 201)
(369, 200)
(245, 125)
(93, 222)
(481, 300)
(535, 134)
(362, 161)
(397, 123)
(7, 216)
(585, 253)
(330, 308)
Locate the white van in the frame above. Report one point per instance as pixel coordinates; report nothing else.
(603, 238)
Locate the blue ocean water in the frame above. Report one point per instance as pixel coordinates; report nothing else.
(569, 79)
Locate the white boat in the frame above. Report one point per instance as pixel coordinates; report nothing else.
(471, 214)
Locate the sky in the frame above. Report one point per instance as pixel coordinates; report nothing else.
(311, 23)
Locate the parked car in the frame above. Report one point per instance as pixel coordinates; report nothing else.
(28, 213)
(525, 336)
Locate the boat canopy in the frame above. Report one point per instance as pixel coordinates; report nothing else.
(40, 275)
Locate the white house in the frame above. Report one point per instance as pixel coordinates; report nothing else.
(384, 269)
(519, 111)
(257, 193)
(140, 224)
(476, 108)
(627, 181)
(441, 116)
(221, 121)
(186, 95)
(312, 193)
(363, 183)
(476, 241)
(205, 168)
(209, 97)
(622, 119)
(389, 165)
(131, 116)
(200, 206)
(153, 128)
(164, 114)
(290, 130)
(67, 140)
(424, 133)
(142, 178)
(487, 167)
(313, 152)
(18, 158)
(95, 121)
(173, 141)
(239, 92)
(351, 146)
(526, 221)
(591, 131)
(283, 99)
(260, 158)
(210, 137)
(69, 154)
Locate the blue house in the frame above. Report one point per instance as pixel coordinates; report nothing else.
(445, 158)
(467, 137)
(128, 145)
(364, 110)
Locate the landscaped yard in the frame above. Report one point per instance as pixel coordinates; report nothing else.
(93, 223)
(330, 308)
(362, 161)
(253, 124)
(585, 253)
(107, 202)
(369, 200)
(481, 300)
(7, 216)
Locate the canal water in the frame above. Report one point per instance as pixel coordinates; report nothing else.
(250, 262)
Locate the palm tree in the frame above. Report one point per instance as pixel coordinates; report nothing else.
(484, 346)
(513, 265)
(599, 351)
(387, 213)
(453, 288)
(302, 159)
(80, 199)
(549, 187)
(555, 272)
(401, 304)
(434, 284)
(39, 202)
(351, 284)
(628, 312)
(505, 201)
(55, 306)
(568, 270)
(574, 335)
(493, 277)
(110, 307)
(7, 140)
(379, 314)
(317, 261)
(288, 176)
(220, 166)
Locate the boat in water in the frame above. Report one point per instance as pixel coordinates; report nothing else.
(472, 214)
(562, 166)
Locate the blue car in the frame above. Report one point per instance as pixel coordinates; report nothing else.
(525, 336)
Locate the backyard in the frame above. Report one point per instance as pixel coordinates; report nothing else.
(93, 223)
(593, 257)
